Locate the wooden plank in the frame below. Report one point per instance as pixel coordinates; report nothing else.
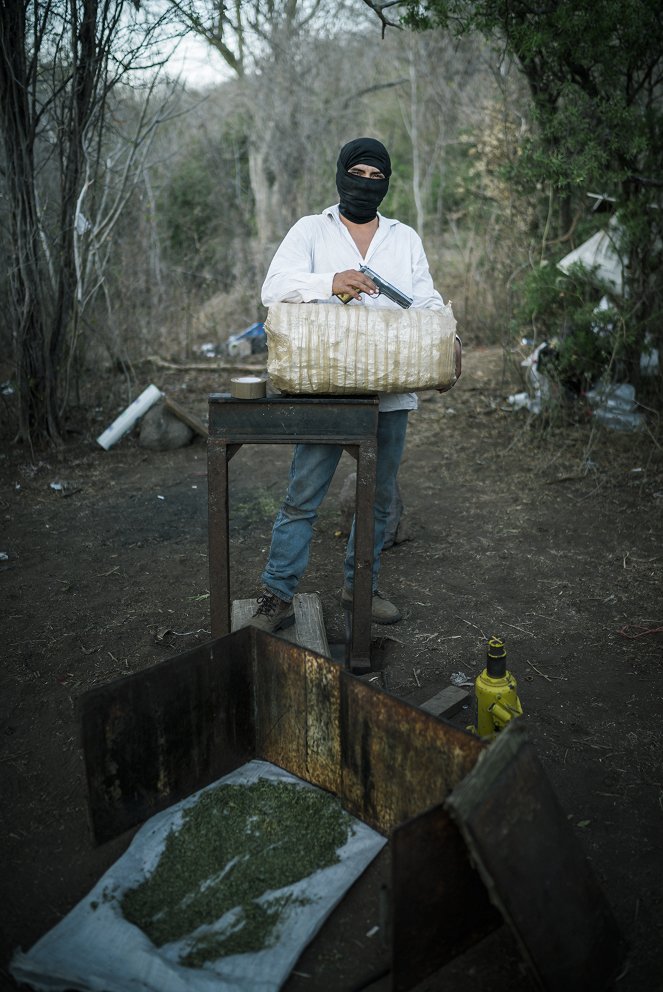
(447, 702)
(308, 630)
(534, 868)
(178, 411)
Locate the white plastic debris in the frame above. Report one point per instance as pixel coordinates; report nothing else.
(538, 383)
(64, 488)
(600, 254)
(615, 406)
(128, 418)
(649, 362)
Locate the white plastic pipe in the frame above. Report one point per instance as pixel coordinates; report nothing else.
(128, 418)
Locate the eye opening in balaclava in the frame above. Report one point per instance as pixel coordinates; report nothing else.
(360, 197)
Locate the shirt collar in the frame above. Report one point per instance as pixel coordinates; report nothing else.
(384, 221)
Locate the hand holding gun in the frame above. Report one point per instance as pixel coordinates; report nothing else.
(357, 286)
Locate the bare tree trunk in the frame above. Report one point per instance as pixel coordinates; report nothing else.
(54, 84)
(415, 140)
(272, 89)
(30, 292)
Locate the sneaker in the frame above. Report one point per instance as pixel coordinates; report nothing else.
(382, 611)
(272, 613)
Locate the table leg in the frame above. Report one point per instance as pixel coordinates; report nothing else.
(219, 541)
(360, 653)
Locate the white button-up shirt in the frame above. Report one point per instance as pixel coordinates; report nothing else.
(319, 246)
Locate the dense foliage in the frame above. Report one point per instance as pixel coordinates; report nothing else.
(595, 74)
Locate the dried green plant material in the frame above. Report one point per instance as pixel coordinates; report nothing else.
(235, 845)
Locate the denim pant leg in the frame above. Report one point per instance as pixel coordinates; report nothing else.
(392, 428)
(311, 472)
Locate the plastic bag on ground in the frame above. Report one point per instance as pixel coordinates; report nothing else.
(95, 949)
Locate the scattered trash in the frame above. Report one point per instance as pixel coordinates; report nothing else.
(600, 256)
(460, 678)
(634, 630)
(538, 383)
(83, 225)
(4, 556)
(128, 418)
(614, 405)
(6, 388)
(164, 632)
(520, 401)
(252, 341)
(649, 360)
(65, 488)
(210, 350)
(600, 327)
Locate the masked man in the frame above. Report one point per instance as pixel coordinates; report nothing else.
(318, 259)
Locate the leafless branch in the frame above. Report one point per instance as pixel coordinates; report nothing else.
(379, 10)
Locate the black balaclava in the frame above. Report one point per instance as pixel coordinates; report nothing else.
(359, 197)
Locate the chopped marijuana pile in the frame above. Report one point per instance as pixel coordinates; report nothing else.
(235, 844)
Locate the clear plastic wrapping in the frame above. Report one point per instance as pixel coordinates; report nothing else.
(337, 350)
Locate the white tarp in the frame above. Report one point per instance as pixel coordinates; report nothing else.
(344, 350)
(600, 252)
(95, 949)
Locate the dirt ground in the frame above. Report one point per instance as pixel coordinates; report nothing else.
(549, 537)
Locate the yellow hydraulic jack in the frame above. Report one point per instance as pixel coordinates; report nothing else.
(496, 697)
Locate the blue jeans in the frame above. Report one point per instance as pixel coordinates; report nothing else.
(311, 472)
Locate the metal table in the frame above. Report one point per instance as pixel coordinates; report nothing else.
(347, 421)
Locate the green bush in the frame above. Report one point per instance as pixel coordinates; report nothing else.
(205, 210)
(561, 308)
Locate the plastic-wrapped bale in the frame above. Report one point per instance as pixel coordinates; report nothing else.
(337, 350)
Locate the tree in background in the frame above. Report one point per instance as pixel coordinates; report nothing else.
(65, 184)
(283, 55)
(595, 74)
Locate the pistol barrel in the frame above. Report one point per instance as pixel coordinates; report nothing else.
(386, 288)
